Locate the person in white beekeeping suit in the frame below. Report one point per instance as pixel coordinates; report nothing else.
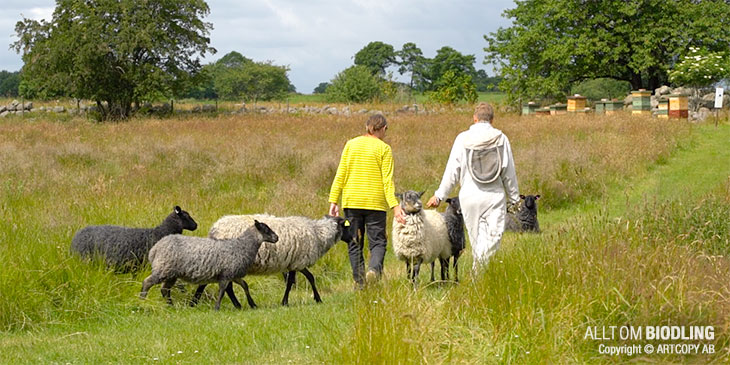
(481, 163)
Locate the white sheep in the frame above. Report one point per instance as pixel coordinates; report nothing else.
(423, 238)
(302, 241)
(204, 260)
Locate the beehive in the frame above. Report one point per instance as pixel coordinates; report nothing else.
(576, 103)
(641, 102)
(557, 109)
(662, 110)
(542, 111)
(600, 106)
(678, 106)
(529, 108)
(613, 106)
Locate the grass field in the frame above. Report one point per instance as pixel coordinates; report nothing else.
(634, 213)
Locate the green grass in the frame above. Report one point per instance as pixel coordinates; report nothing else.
(631, 236)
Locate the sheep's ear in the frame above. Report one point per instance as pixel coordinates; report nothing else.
(448, 200)
(522, 196)
(399, 196)
(537, 197)
(421, 193)
(178, 210)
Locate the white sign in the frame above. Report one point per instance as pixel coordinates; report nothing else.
(718, 98)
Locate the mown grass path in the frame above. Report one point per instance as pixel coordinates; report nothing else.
(149, 332)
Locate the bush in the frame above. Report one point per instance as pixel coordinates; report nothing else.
(355, 84)
(597, 89)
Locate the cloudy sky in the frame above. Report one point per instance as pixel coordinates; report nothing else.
(317, 38)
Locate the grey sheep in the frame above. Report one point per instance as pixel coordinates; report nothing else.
(455, 226)
(125, 249)
(525, 219)
(302, 242)
(201, 260)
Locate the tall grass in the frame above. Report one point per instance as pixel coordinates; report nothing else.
(58, 176)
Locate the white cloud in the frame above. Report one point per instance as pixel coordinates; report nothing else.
(318, 38)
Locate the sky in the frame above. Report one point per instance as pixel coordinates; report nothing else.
(316, 38)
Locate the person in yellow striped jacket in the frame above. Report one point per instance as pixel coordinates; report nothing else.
(365, 180)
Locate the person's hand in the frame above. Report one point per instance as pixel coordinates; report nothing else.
(398, 214)
(334, 210)
(434, 202)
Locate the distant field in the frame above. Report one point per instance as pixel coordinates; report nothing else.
(633, 210)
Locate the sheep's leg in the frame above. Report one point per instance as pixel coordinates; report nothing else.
(196, 296)
(456, 267)
(416, 271)
(232, 295)
(222, 285)
(433, 266)
(149, 282)
(165, 290)
(244, 285)
(289, 283)
(408, 269)
(444, 264)
(310, 277)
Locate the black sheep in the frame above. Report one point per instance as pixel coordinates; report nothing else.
(525, 219)
(125, 249)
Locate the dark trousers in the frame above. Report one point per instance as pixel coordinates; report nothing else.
(374, 222)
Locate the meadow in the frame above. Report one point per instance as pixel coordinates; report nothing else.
(633, 211)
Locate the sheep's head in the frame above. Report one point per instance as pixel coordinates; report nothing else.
(266, 232)
(530, 201)
(410, 201)
(454, 205)
(186, 220)
(346, 231)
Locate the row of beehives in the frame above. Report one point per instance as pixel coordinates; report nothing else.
(670, 106)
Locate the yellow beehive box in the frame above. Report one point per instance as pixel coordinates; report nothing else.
(576, 103)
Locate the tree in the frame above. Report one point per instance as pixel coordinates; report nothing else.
(115, 52)
(321, 88)
(376, 57)
(699, 69)
(355, 84)
(485, 83)
(9, 83)
(412, 61)
(554, 44)
(448, 59)
(453, 87)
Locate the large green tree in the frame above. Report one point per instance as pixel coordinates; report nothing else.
(9, 82)
(413, 62)
(376, 56)
(553, 44)
(115, 52)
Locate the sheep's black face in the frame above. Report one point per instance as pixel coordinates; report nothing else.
(344, 227)
(410, 201)
(266, 232)
(531, 201)
(187, 221)
(454, 205)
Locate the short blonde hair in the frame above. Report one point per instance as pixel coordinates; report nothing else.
(484, 111)
(376, 122)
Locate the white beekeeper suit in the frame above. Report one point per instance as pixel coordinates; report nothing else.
(482, 203)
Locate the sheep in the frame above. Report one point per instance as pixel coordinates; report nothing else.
(525, 219)
(423, 238)
(202, 260)
(455, 226)
(125, 249)
(303, 242)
